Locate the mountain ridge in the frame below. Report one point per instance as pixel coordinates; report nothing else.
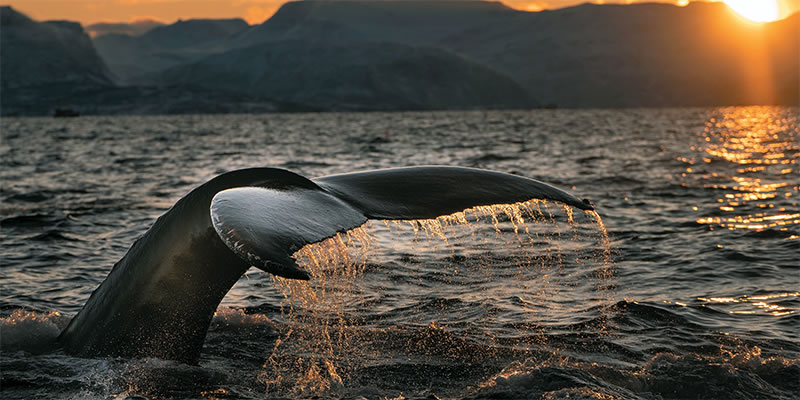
(363, 76)
(41, 53)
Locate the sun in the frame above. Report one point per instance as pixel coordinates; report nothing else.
(755, 10)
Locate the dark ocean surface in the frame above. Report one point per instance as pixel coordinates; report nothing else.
(694, 293)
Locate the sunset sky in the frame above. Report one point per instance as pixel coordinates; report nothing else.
(254, 11)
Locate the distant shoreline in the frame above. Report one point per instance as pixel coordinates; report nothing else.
(263, 109)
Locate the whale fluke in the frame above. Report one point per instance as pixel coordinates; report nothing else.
(253, 223)
(432, 191)
(159, 299)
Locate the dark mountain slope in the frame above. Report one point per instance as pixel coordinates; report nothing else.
(355, 76)
(49, 65)
(189, 33)
(45, 60)
(47, 53)
(131, 57)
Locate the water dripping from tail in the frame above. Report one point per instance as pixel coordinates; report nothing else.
(605, 273)
(316, 329)
(484, 285)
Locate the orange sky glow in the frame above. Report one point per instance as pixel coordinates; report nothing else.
(256, 11)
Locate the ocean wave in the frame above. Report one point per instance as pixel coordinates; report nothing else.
(664, 376)
(31, 331)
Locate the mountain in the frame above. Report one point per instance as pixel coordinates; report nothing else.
(358, 55)
(403, 21)
(45, 60)
(193, 32)
(641, 55)
(50, 65)
(131, 57)
(332, 75)
(55, 53)
(134, 59)
(638, 55)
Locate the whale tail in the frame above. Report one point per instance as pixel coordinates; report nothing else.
(159, 299)
(266, 226)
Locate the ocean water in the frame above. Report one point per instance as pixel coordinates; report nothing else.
(694, 291)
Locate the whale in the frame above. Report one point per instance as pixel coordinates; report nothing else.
(159, 300)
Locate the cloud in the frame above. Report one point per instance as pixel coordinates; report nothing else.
(137, 26)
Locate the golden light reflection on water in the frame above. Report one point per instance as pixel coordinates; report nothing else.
(749, 154)
(759, 304)
(323, 339)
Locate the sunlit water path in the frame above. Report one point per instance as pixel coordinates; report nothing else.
(694, 292)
